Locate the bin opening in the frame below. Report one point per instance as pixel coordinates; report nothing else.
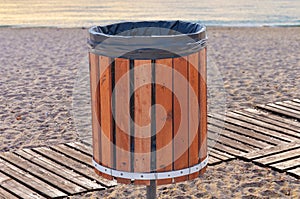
(147, 39)
(150, 28)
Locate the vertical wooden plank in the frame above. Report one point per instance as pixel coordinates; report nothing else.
(142, 117)
(164, 117)
(106, 113)
(203, 106)
(180, 101)
(122, 117)
(193, 60)
(95, 99)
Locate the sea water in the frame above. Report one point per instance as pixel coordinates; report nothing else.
(85, 13)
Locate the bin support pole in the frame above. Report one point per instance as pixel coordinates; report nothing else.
(151, 190)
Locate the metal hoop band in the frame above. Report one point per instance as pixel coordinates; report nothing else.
(151, 176)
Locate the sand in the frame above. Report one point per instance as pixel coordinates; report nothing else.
(234, 179)
(44, 99)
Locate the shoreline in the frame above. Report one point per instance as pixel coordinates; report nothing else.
(208, 26)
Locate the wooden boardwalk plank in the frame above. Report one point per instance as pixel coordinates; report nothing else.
(279, 111)
(219, 146)
(76, 166)
(296, 100)
(31, 181)
(84, 158)
(293, 103)
(241, 138)
(295, 171)
(279, 156)
(219, 154)
(213, 160)
(18, 189)
(287, 164)
(291, 122)
(272, 150)
(247, 132)
(288, 105)
(297, 113)
(255, 114)
(259, 129)
(5, 194)
(233, 143)
(293, 135)
(58, 169)
(83, 148)
(47, 176)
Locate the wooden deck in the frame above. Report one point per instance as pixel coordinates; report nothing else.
(268, 135)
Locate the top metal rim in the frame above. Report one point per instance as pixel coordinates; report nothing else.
(200, 30)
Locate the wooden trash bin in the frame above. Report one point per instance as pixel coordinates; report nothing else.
(149, 101)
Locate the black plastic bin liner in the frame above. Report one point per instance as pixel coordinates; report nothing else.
(148, 39)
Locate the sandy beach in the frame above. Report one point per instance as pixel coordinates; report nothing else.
(44, 99)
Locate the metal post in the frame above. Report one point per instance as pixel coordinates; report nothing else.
(151, 190)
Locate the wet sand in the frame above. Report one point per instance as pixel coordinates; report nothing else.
(44, 99)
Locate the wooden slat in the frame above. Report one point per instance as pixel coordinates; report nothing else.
(17, 188)
(279, 156)
(213, 160)
(238, 137)
(88, 141)
(258, 129)
(74, 165)
(203, 104)
(58, 169)
(247, 132)
(288, 105)
(253, 114)
(180, 102)
(122, 116)
(164, 117)
(295, 104)
(271, 150)
(295, 171)
(296, 100)
(289, 133)
(5, 194)
(31, 181)
(194, 105)
(219, 154)
(95, 103)
(106, 113)
(297, 113)
(279, 111)
(295, 125)
(287, 164)
(47, 176)
(142, 117)
(84, 158)
(233, 143)
(82, 147)
(219, 146)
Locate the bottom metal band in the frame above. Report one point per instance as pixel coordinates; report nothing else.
(151, 176)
